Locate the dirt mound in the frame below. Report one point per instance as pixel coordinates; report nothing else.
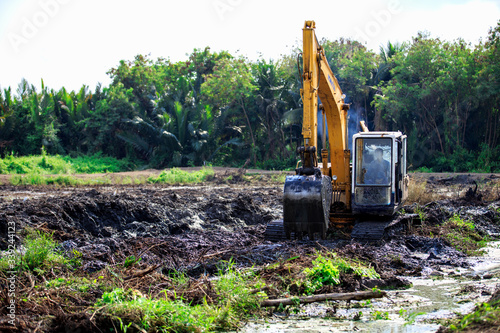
(137, 214)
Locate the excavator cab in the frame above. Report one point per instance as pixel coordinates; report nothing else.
(380, 182)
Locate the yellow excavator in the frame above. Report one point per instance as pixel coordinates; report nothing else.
(363, 194)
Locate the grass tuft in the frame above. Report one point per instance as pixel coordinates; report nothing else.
(463, 236)
(39, 251)
(178, 176)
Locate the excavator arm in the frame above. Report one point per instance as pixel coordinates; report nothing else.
(308, 195)
(319, 81)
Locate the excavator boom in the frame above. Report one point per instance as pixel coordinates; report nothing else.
(308, 195)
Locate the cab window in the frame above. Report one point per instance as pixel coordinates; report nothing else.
(373, 161)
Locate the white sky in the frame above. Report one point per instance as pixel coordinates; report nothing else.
(74, 42)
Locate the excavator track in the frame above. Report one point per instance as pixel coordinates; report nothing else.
(376, 230)
(364, 231)
(275, 231)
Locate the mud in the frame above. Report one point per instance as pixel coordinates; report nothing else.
(193, 228)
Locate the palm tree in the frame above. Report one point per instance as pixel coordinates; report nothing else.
(153, 141)
(384, 75)
(7, 121)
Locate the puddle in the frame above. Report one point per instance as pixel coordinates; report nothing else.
(414, 310)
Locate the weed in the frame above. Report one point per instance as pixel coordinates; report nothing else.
(57, 282)
(179, 279)
(326, 271)
(379, 315)
(130, 261)
(358, 316)
(235, 289)
(485, 314)
(62, 180)
(75, 259)
(396, 260)
(420, 212)
(81, 284)
(279, 178)
(409, 317)
(40, 251)
(131, 308)
(29, 179)
(457, 220)
(364, 304)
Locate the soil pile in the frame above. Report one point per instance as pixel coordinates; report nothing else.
(141, 213)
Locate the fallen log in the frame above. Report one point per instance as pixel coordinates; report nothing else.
(355, 296)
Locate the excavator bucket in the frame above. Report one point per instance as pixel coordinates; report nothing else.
(306, 205)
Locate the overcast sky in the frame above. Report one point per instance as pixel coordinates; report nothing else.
(74, 42)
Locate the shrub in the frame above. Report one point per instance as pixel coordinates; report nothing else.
(326, 271)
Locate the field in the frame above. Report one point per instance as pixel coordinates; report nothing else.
(189, 255)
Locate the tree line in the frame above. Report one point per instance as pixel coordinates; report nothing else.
(226, 110)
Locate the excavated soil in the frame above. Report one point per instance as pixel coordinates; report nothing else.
(193, 228)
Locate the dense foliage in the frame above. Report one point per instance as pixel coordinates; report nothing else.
(226, 110)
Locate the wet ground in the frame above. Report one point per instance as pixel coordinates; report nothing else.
(433, 298)
(193, 228)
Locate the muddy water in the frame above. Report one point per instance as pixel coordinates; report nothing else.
(437, 295)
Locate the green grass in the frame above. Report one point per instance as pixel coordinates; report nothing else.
(40, 252)
(235, 301)
(99, 164)
(39, 179)
(178, 176)
(223, 303)
(463, 236)
(235, 288)
(62, 165)
(128, 308)
(171, 176)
